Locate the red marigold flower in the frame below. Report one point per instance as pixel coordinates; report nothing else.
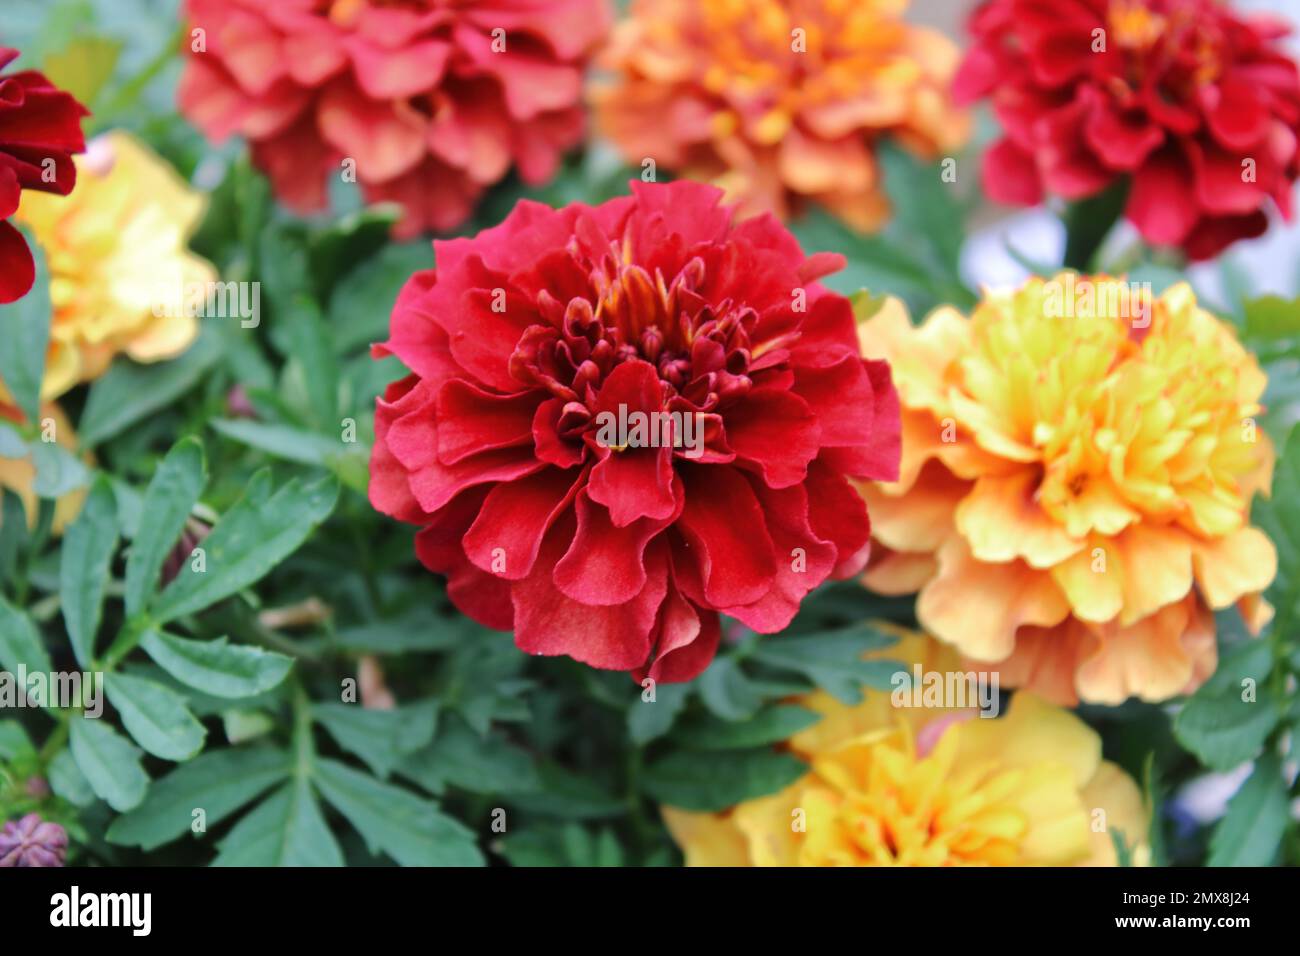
(1198, 105)
(620, 550)
(40, 129)
(433, 100)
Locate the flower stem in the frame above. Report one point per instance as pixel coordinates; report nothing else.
(1089, 221)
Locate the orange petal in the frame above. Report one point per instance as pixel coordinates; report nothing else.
(978, 607)
(1231, 567)
(1001, 521)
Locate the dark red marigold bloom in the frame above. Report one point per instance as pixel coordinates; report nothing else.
(1200, 106)
(433, 101)
(523, 343)
(40, 129)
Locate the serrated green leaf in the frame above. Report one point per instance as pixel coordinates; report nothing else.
(287, 829)
(218, 782)
(157, 718)
(1251, 832)
(128, 392)
(414, 832)
(1220, 727)
(109, 763)
(175, 487)
(832, 660)
(379, 737)
(87, 554)
(217, 667)
(20, 642)
(714, 781)
(727, 692)
(462, 758)
(25, 332)
(255, 535)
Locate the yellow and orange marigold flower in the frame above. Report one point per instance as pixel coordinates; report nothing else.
(893, 786)
(118, 262)
(779, 101)
(1079, 458)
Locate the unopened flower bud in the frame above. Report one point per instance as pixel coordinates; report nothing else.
(33, 842)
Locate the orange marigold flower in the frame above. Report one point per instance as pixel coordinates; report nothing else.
(779, 101)
(1079, 458)
(931, 786)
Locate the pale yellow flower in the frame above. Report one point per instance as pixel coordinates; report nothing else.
(118, 261)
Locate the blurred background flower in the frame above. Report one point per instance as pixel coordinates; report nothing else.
(118, 260)
(424, 104)
(780, 103)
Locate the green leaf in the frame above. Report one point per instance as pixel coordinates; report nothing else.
(770, 725)
(25, 332)
(647, 720)
(128, 392)
(832, 660)
(218, 782)
(173, 490)
(67, 780)
(87, 554)
(714, 781)
(255, 535)
(287, 829)
(108, 762)
(20, 642)
(1251, 832)
(570, 796)
(58, 471)
(489, 765)
(414, 832)
(360, 306)
(1278, 516)
(12, 444)
(15, 745)
(13, 533)
(284, 441)
(216, 667)
(156, 717)
(727, 692)
(312, 351)
(379, 737)
(1216, 724)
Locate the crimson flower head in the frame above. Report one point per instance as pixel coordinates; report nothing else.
(424, 103)
(40, 129)
(1198, 105)
(623, 420)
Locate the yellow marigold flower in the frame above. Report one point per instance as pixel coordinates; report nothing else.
(779, 101)
(18, 474)
(1079, 458)
(895, 786)
(116, 250)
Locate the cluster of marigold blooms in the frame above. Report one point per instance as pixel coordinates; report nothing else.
(1066, 485)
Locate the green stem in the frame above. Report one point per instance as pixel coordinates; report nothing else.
(1089, 221)
(303, 745)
